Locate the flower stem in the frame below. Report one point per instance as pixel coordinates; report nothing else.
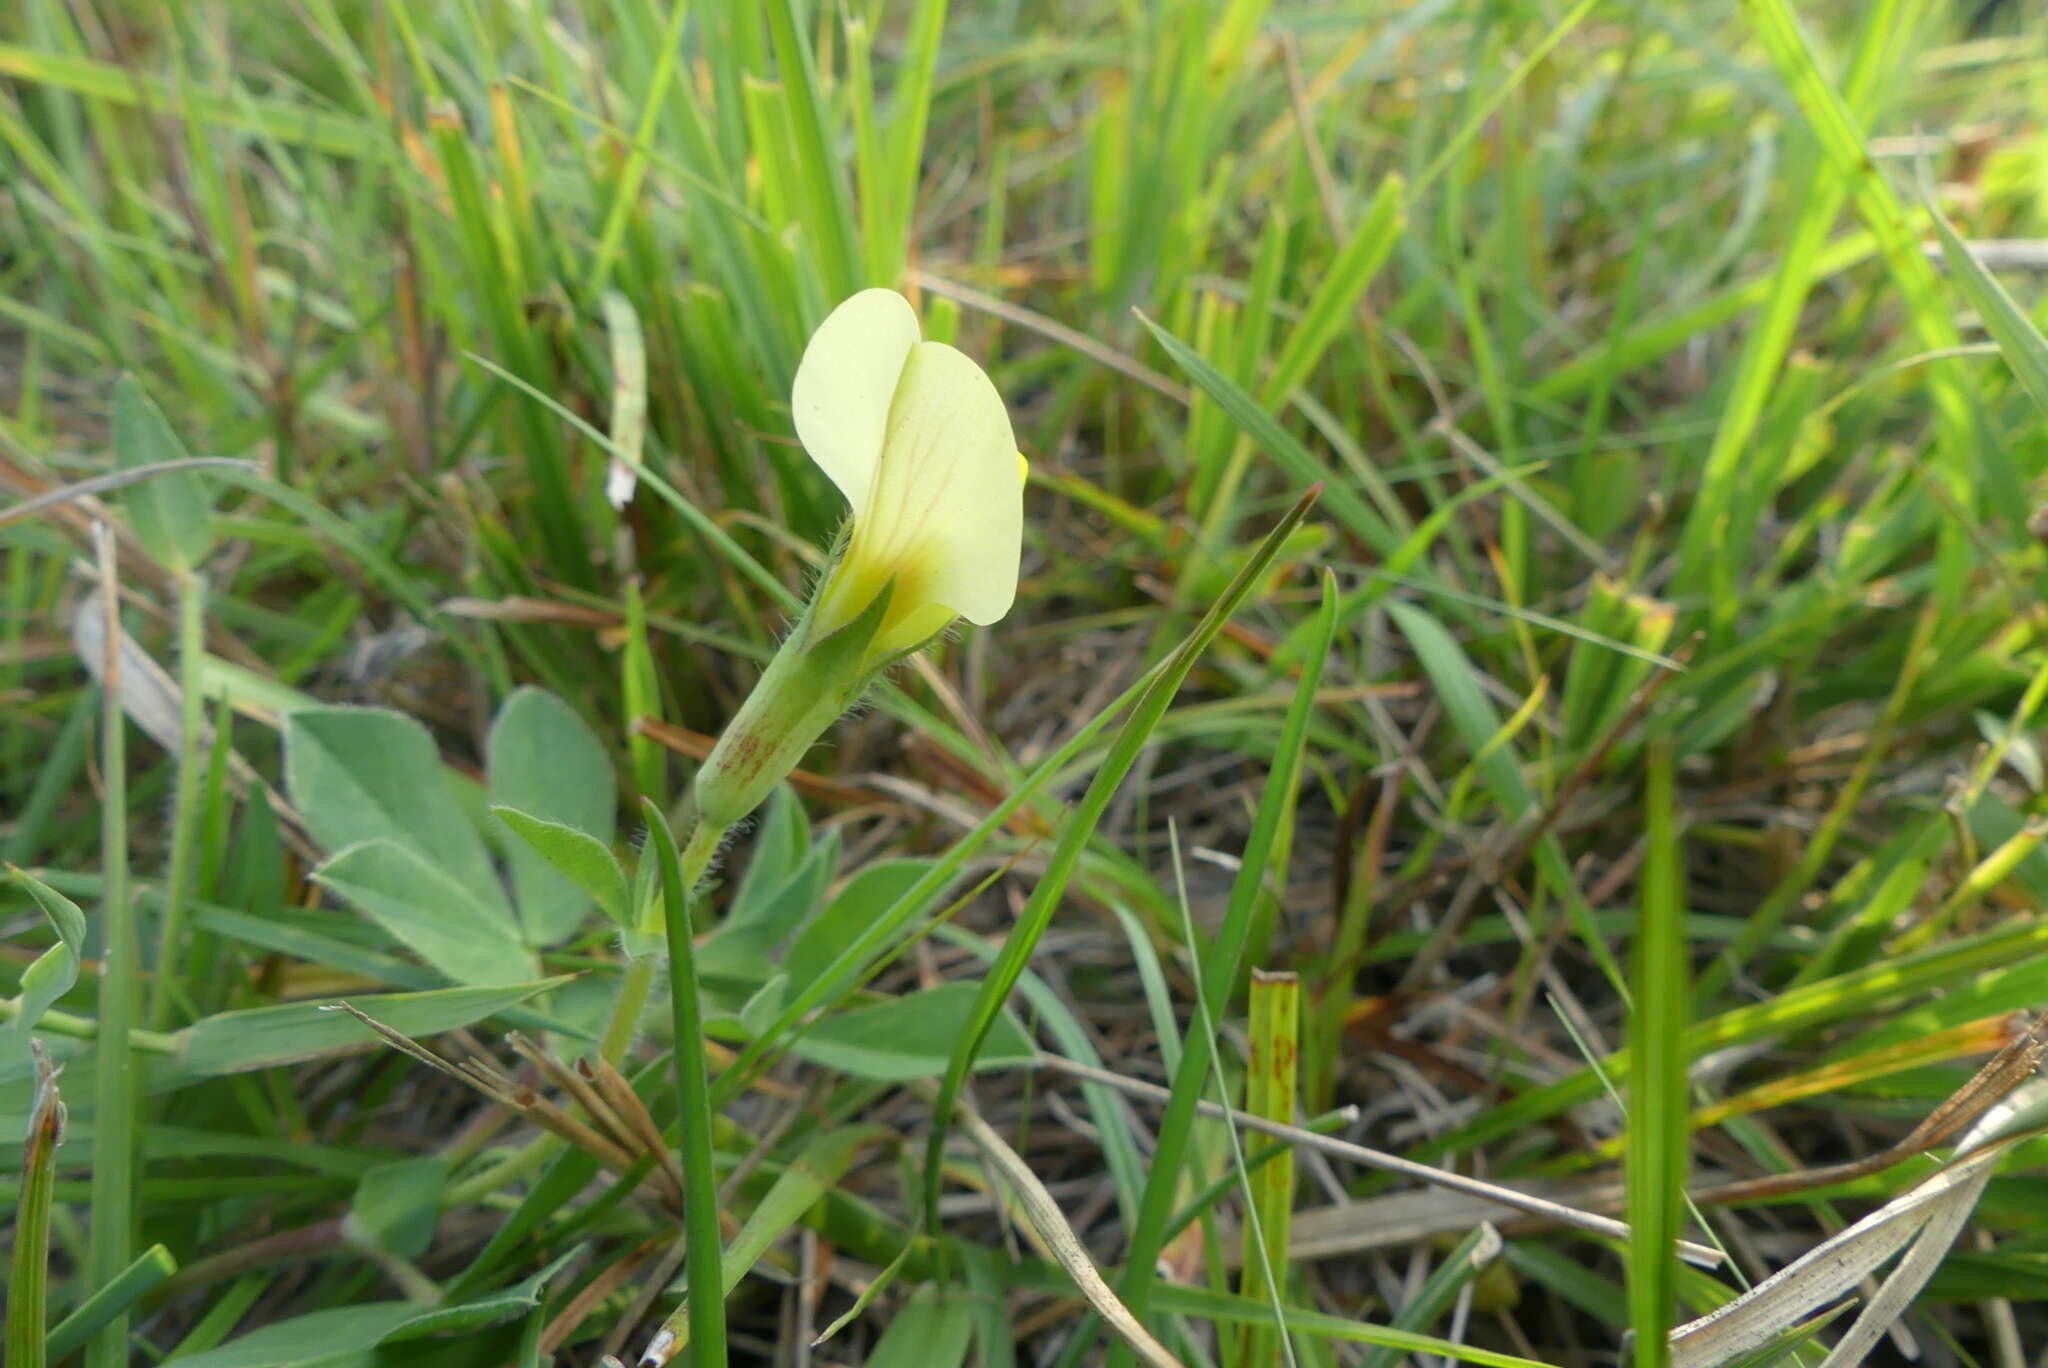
(634, 991)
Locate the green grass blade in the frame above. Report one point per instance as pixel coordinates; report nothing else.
(828, 220)
(28, 1287)
(2021, 343)
(1222, 961)
(1658, 1136)
(1349, 509)
(113, 1217)
(1074, 839)
(112, 1301)
(679, 877)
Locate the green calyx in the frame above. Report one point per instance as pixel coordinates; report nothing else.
(808, 686)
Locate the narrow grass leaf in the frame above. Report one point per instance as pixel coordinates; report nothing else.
(1658, 1135)
(699, 1157)
(112, 1300)
(1348, 507)
(1471, 1257)
(28, 1285)
(1079, 830)
(2021, 343)
(1221, 962)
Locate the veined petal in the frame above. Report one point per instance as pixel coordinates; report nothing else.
(945, 519)
(845, 383)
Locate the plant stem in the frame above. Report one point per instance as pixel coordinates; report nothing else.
(113, 1174)
(85, 1028)
(700, 1178)
(634, 991)
(619, 1034)
(185, 815)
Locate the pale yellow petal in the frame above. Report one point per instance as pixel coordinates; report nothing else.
(845, 384)
(946, 515)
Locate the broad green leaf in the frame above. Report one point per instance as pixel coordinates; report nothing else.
(545, 762)
(577, 856)
(339, 1337)
(865, 898)
(779, 909)
(741, 949)
(439, 919)
(172, 516)
(260, 1037)
(361, 774)
(396, 1205)
(780, 841)
(911, 1036)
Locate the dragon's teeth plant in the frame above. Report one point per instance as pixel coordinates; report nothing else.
(917, 439)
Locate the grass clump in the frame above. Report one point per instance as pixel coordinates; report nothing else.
(1629, 749)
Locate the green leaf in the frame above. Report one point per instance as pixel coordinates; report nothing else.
(172, 516)
(1344, 500)
(439, 919)
(488, 1309)
(865, 898)
(340, 1337)
(128, 1287)
(580, 858)
(781, 841)
(2025, 350)
(739, 950)
(545, 762)
(1658, 1138)
(821, 1164)
(911, 1036)
(53, 972)
(28, 1288)
(361, 774)
(931, 1331)
(1338, 291)
(396, 1205)
(260, 1037)
(1079, 829)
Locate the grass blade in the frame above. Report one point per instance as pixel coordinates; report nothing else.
(1221, 962)
(1074, 838)
(1658, 1136)
(679, 876)
(28, 1288)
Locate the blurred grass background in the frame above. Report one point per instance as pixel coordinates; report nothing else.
(1640, 406)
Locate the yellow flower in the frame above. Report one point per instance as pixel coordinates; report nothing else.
(919, 442)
